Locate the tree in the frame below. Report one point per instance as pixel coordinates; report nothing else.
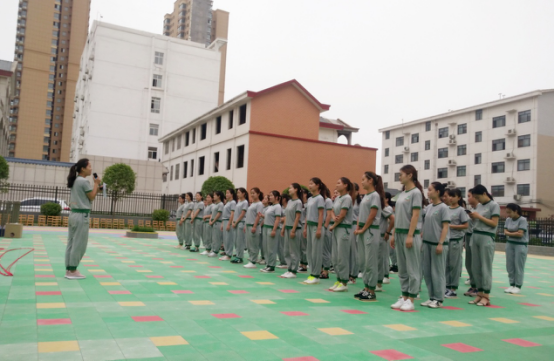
(4, 174)
(120, 180)
(286, 191)
(216, 183)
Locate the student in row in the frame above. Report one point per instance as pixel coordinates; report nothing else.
(355, 257)
(253, 227)
(516, 230)
(207, 229)
(197, 222)
(459, 221)
(180, 228)
(272, 216)
(187, 233)
(215, 224)
(292, 232)
(386, 226)
(314, 229)
(239, 225)
(328, 237)
(472, 204)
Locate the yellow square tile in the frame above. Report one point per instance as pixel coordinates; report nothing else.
(87, 261)
(167, 283)
(218, 283)
(317, 301)
(516, 295)
(144, 271)
(42, 259)
(188, 271)
(66, 346)
(45, 284)
(202, 262)
(265, 283)
(44, 269)
(400, 327)
(168, 341)
(109, 283)
(456, 324)
(50, 305)
(335, 331)
(504, 320)
(167, 262)
(96, 270)
(128, 261)
(259, 335)
(201, 302)
(546, 318)
(131, 304)
(263, 301)
(546, 294)
(228, 271)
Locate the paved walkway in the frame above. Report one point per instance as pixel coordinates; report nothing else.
(145, 300)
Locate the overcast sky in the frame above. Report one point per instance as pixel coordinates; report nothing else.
(374, 62)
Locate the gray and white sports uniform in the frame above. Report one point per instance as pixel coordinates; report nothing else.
(342, 241)
(482, 247)
(434, 266)
(368, 242)
(516, 250)
(253, 238)
(458, 216)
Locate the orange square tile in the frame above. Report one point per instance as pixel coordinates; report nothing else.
(131, 304)
(167, 283)
(543, 317)
(318, 301)
(263, 301)
(50, 305)
(335, 331)
(45, 284)
(168, 341)
(65, 346)
(456, 324)
(259, 335)
(201, 302)
(265, 283)
(218, 283)
(110, 283)
(504, 320)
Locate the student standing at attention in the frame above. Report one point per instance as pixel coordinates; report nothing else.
(328, 237)
(227, 217)
(238, 225)
(179, 229)
(516, 229)
(313, 230)
(406, 239)
(487, 214)
(458, 225)
(356, 259)
(207, 229)
(253, 229)
(342, 229)
(197, 222)
(281, 247)
(82, 196)
(187, 226)
(215, 223)
(293, 230)
(472, 204)
(272, 217)
(385, 227)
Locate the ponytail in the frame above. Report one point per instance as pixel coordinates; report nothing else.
(409, 169)
(75, 170)
(299, 190)
(243, 191)
(277, 196)
(456, 192)
(349, 187)
(323, 190)
(358, 197)
(481, 190)
(260, 194)
(378, 184)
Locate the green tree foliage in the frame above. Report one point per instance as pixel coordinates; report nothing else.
(120, 180)
(286, 191)
(160, 215)
(51, 209)
(216, 183)
(4, 174)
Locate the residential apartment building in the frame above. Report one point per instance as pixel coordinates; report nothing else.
(506, 145)
(7, 91)
(195, 20)
(50, 38)
(266, 139)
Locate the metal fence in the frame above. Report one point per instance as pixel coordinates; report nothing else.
(541, 232)
(135, 204)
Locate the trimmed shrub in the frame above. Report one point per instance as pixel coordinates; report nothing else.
(160, 215)
(51, 209)
(216, 183)
(142, 229)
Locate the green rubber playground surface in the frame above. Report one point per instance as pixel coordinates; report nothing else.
(145, 300)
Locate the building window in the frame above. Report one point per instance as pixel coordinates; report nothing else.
(171, 174)
(240, 156)
(499, 122)
(201, 165)
(443, 152)
(442, 172)
(499, 145)
(427, 126)
(152, 153)
(462, 128)
(427, 145)
(462, 150)
(461, 171)
(191, 168)
(524, 165)
(478, 159)
(386, 169)
(477, 180)
(179, 142)
(230, 119)
(400, 141)
(155, 105)
(193, 135)
(397, 176)
(386, 152)
(166, 147)
(524, 141)
(524, 190)
(478, 114)
(479, 136)
(427, 164)
(157, 81)
(497, 191)
(216, 162)
(415, 138)
(387, 135)
(203, 131)
(187, 138)
(159, 58)
(426, 184)
(462, 191)
(398, 159)
(242, 114)
(173, 145)
(386, 184)
(524, 116)
(185, 169)
(414, 157)
(177, 171)
(498, 167)
(443, 132)
(218, 125)
(228, 159)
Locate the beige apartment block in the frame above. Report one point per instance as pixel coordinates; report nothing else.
(50, 38)
(7, 88)
(195, 20)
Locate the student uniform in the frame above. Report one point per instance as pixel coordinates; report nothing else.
(198, 224)
(368, 242)
(207, 229)
(303, 240)
(314, 250)
(384, 244)
(217, 238)
(281, 240)
(262, 234)
(458, 216)
(228, 236)
(420, 223)
(187, 227)
(293, 253)
(482, 247)
(253, 239)
(355, 260)
(179, 229)
(342, 241)
(434, 265)
(516, 250)
(270, 242)
(409, 259)
(468, 243)
(327, 243)
(78, 224)
(240, 235)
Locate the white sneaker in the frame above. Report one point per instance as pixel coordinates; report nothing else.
(516, 290)
(399, 303)
(341, 288)
(313, 281)
(282, 266)
(291, 275)
(426, 304)
(386, 281)
(435, 304)
(224, 258)
(407, 305)
(378, 289)
(334, 286)
(508, 290)
(467, 282)
(250, 266)
(360, 275)
(212, 255)
(261, 262)
(284, 275)
(204, 253)
(351, 282)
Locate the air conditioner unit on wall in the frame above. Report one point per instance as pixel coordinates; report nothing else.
(517, 197)
(510, 180)
(451, 162)
(510, 156)
(451, 142)
(406, 149)
(450, 184)
(452, 136)
(511, 132)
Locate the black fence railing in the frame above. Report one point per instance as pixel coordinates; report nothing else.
(135, 204)
(541, 232)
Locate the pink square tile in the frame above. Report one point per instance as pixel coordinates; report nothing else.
(102, 276)
(461, 347)
(246, 276)
(503, 287)
(176, 266)
(288, 291)
(182, 292)
(44, 276)
(226, 315)
(391, 354)
(154, 277)
(192, 259)
(452, 308)
(119, 292)
(353, 311)
(494, 306)
(533, 287)
(152, 318)
(86, 257)
(52, 322)
(202, 277)
(521, 342)
(238, 291)
(215, 267)
(530, 304)
(48, 293)
(89, 265)
(294, 314)
(308, 358)
(157, 258)
(43, 265)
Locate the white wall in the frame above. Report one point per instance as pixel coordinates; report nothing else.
(328, 135)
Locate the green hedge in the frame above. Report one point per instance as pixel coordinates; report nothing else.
(142, 229)
(51, 209)
(160, 215)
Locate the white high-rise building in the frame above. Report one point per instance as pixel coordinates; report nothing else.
(506, 145)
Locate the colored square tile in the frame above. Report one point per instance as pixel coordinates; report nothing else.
(167, 283)
(167, 262)
(44, 269)
(168, 341)
(201, 302)
(456, 324)
(353, 311)
(226, 316)
(45, 276)
(136, 266)
(128, 261)
(262, 301)
(288, 291)
(202, 277)
(451, 308)
(119, 292)
(96, 270)
(218, 283)
(228, 271)
(150, 318)
(50, 305)
(391, 354)
(102, 276)
(131, 304)
(246, 276)
(65, 346)
(318, 301)
(462, 348)
(546, 318)
(259, 335)
(294, 314)
(504, 320)
(521, 342)
(182, 292)
(45, 284)
(265, 283)
(494, 306)
(109, 283)
(530, 304)
(176, 266)
(144, 271)
(335, 331)
(238, 292)
(307, 358)
(53, 322)
(154, 276)
(546, 294)
(48, 293)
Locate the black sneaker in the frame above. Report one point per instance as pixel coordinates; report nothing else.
(193, 250)
(187, 247)
(394, 269)
(269, 269)
(236, 261)
(368, 297)
(302, 270)
(357, 296)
